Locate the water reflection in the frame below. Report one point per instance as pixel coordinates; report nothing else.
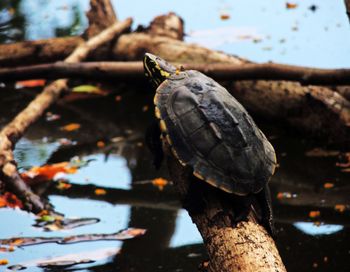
(323, 229)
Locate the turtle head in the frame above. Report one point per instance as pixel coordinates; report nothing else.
(157, 69)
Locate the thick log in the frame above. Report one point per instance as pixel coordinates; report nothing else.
(231, 246)
(10, 134)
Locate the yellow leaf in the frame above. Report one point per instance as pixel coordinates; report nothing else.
(88, 89)
(100, 192)
(71, 127)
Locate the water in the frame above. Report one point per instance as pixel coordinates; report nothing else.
(172, 243)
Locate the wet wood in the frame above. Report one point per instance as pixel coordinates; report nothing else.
(134, 70)
(243, 246)
(10, 134)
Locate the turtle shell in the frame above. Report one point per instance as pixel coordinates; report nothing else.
(209, 130)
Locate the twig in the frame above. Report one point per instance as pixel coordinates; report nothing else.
(134, 70)
(347, 6)
(16, 128)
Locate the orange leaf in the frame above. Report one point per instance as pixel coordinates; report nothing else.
(47, 172)
(10, 200)
(4, 262)
(71, 127)
(160, 183)
(314, 214)
(100, 192)
(225, 16)
(328, 185)
(340, 208)
(291, 5)
(100, 144)
(30, 83)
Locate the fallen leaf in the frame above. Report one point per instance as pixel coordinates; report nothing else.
(224, 16)
(10, 200)
(3, 262)
(160, 183)
(346, 170)
(118, 98)
(325, 259)
(100, 192)
(71, 127)
(30, 83)
(47, 172)
(291, 5)
(314, 214)
(145, 108)
(340, 208)
(89, 89)
(100, 144)
(328, 185)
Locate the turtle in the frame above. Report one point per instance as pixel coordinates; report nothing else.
(208, 130)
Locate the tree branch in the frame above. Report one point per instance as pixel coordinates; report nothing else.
(347, 6)
(219, 71)
(10, 134)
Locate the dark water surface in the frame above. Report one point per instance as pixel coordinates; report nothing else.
(124, 165)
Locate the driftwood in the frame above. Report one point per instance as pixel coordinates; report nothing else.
(15, 129)
(134, 70)
(316, 111)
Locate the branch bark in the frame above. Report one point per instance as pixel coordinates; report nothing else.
(245, 246)
(10, 134)
(219, 71)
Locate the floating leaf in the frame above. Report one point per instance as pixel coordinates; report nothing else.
(30, 83)
(100, 192)
(328, 185)
(3, 262)
(71, 127)
(89, 89)
(291, 5)
(10, 200)
(47, 172)
(100, 144)
(314, 214)
(340, 208)
(160, 183)
(224, 16)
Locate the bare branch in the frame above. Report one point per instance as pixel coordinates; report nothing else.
(219, 71)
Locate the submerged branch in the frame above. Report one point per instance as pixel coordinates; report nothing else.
(219, 71)
(10, 134)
